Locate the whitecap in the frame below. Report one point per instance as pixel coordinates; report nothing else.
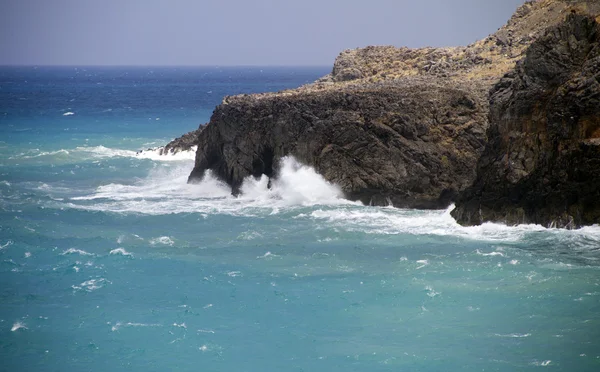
(120, 251)
(91, 285)
(68, 113)
(268, 255)
(489, 254)
(119, 325)
(513, 335)
(8, 242)
(543, 363)
(205, 331)
(431, 292)
(423, 264)
(18, 325)
(165, 240)
(76, 251)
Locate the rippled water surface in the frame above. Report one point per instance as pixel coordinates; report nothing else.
(110, 261)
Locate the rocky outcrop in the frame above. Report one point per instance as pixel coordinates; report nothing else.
(542, 162)
(412, 143)
(183, 143)
(389, 125)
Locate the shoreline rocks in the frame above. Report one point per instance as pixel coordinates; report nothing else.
(542, 162)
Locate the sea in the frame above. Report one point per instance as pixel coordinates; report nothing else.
(110, 261)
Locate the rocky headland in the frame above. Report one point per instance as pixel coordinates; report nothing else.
(409, 127)
(542, 161)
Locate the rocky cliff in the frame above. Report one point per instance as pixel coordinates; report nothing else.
(542, 161)
(183, 143)
(412, 143)
(389, 125)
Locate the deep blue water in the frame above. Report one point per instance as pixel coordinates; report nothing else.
(110, 261)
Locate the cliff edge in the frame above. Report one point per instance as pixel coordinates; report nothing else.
(542, 162)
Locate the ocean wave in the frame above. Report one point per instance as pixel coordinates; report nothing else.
(76, 251)
(119, 325)
(36, 153)
(300, 192)
(121, 252)
(18, 325)
(166, 191)
(82, 153)
(91, 285)
(9, 242)
(164, 240)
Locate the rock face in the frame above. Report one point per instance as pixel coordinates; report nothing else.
(389, 125)
(183, 143)
(542, 162)
(412, 143)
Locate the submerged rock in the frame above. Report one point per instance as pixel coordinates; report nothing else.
(542, 162)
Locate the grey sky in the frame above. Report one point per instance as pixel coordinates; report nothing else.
(233, 32)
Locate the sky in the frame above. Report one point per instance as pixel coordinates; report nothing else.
(232, 32)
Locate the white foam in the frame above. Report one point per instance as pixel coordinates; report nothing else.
(41, 153)
(205, 331)
(374, 220)
(155, 154)
(76, 251)
(8, 242)
(164, 240)
(543, 363)
(18, 325)
(120, 251)
(118, 325)
(166, 191)
(91, 285)
(102, 152)
(297, 184)
(489, 254)
(513, 335)
(68, 113)
(431, 292)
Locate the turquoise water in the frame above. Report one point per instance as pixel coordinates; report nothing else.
(110, 261)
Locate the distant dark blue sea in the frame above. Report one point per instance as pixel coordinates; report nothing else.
(110, 261)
